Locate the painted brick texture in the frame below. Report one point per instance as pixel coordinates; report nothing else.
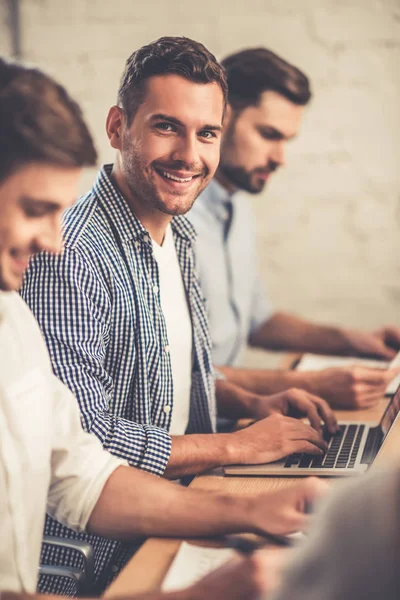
(329, 222)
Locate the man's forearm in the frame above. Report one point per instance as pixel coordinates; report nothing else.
(195, 453)
(134, 503)
(233, 401)
(267, 381)
(288, 332)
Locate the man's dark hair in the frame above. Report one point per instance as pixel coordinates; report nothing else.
(39, 122)
(166, 56)
(253, 71)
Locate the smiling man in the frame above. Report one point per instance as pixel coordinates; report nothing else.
(46, 460)
(121, 308)
(267, 98)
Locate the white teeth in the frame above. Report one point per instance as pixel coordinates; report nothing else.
(169, 176)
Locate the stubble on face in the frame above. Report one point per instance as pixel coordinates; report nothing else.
(141, 180)
(170, 150)
(252, 181)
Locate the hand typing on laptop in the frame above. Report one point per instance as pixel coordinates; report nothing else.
(296, 403)
(273, 438)
(236, 402)
(351, 450)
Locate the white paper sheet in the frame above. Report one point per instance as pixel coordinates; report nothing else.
(317, 362)
(191, 563)
(394, 384)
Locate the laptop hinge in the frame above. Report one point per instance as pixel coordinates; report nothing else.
(372, 445)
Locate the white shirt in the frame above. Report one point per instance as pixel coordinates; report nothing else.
(47, 461)
(175, 308)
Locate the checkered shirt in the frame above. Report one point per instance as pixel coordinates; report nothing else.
(98, 306)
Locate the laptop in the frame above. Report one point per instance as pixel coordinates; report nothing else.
(350, 451)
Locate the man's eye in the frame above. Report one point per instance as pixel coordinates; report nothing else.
(270, 135)
(207, 134)
(34, 212)
(165, 127)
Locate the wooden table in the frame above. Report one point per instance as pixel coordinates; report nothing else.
(146, 570)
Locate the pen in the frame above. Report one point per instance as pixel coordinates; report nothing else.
(247, 546)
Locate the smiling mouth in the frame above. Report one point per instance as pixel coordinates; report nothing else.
(175, 178)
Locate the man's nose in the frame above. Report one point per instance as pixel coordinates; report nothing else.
(186, 152)
(279, 152)
(50, 240)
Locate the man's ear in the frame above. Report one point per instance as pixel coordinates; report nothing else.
(114, 124)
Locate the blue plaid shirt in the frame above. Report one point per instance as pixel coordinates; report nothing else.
(98, 306)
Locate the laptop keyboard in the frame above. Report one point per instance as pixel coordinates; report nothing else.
(341, 454)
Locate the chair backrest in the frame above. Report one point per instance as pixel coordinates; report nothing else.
(82, 578)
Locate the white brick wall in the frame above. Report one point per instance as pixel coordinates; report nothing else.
(329, 223)
(5, 39)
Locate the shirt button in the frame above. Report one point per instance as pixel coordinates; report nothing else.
(166, 349)
(137, 245)
(155, 289)
(167, 409)
(115, 569)
(146, 239)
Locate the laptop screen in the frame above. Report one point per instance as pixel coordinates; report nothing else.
(390, 413)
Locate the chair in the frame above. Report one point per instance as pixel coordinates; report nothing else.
(83, 578)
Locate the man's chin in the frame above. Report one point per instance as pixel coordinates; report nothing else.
(176, 206)
(243, 180)
(7, 286)
(9, 282)
(175, 211)
(257, 188)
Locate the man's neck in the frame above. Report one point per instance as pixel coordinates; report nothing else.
(152, 219)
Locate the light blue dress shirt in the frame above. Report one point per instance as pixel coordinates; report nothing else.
(226, 259)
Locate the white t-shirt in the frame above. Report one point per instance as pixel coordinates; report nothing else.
(47, 461)
(175, 308)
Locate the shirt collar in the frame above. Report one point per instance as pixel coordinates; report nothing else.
(124, 220)
(218, 200)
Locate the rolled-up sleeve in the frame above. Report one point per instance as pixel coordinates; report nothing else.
(73, 308)
(80, 466)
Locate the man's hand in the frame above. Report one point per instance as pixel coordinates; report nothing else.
(285, 510)
(351, 387)
(237, 402)
(241, 578)
(280, 512)
(271, 439)
(298, 404)
(382, 343)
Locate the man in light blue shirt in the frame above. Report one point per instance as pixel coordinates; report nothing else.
(227, 264)
(267, 99)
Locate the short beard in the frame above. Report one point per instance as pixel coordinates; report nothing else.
(142, 189)
(241, 178)
(237, 176)
(174, 211)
